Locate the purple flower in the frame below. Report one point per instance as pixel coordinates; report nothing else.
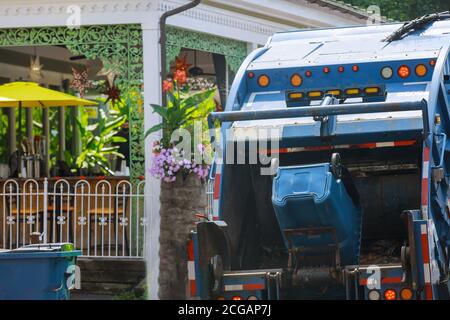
(165, 166)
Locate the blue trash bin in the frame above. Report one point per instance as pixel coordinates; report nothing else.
(38, 272)
(311, 197)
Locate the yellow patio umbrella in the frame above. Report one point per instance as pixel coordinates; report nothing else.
(32, 95)
(5, 100)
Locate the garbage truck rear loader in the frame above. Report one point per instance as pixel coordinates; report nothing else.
(348, 195)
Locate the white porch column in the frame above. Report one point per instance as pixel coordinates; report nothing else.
(152, 95)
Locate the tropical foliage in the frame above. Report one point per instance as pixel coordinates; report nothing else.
(99, 141)
(403, 10)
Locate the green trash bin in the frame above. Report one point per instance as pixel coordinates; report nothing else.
(39, 272)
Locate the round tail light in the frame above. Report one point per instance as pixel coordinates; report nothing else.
(390, 294)
(404, 72)
(374, 295)
(387, 72)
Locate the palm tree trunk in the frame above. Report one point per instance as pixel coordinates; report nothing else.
(180, 202)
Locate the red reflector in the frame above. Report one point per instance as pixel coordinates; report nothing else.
(390, 294)
(326, 70)
(433, 62)
(308, 73)
(251, 75)
(355, 68)
(341, 69)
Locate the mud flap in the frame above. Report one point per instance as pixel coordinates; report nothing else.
(214, 257)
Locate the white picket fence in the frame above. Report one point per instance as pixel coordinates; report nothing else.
(100, 218)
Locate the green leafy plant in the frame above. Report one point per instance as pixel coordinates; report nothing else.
(98, 141)
(183, 109)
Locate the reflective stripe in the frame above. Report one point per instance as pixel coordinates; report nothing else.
(425, 169)
(248, 287)
(343, 146)
(426, 272)
(385, 144)
(425, 211)
(234, 287)
(426, 262)
(216, 186)
(191, 268)
(425, 182)
(423, 229)
(256, 286)
(428, 291)
(363, 282)
(192, 288)
(216, 193)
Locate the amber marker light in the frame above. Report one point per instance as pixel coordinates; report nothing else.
(406, 294)
(372, 90)
(315, 94)
(352, 92)
(421, 70)
(295, 95)
(335, 92)
(296, 80)
(263, 80)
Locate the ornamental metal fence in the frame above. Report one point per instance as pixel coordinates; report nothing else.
(101, 218)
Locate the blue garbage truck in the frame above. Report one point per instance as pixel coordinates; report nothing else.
(331, 176)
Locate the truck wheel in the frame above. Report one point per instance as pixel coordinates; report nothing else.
(335, 166)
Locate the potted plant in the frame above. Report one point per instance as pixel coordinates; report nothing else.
(181, 159)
